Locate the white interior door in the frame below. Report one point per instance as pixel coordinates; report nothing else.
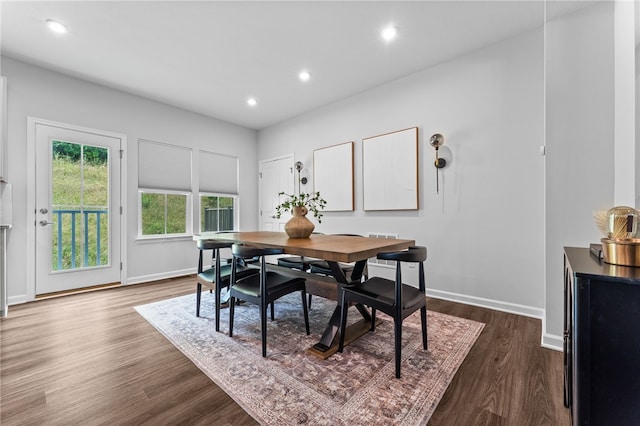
(78, 217)
(275, 176)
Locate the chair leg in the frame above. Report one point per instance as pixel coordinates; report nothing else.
(198, 297)
(232, 306)
(217, 303)
(373, 319)
(343, 319)
(398, 339)
(273, 316)
(423, 318)
(306, 312)
(263, 326)
(310, 300)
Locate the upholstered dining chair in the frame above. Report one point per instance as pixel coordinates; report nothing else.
(392, 297)
(217, 276)
(262, 289)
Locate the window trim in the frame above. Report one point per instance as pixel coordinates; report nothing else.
(188, 214)
(236, 213)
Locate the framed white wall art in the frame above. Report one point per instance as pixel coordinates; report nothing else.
(333, 176)
(390, 171)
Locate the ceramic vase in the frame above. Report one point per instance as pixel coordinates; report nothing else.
(299, 226)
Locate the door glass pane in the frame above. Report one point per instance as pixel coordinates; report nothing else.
(80, 207)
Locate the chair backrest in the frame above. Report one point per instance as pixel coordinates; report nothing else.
(213, 244)
(248, 252)
(412, 254)
(210, 245)
(416, 254)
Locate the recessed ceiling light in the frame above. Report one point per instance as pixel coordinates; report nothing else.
(56, 26)
(304, 75)
(389, 33)
(252, 102)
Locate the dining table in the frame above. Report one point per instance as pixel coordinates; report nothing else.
(335, 250)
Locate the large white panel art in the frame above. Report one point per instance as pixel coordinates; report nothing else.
(390, 171)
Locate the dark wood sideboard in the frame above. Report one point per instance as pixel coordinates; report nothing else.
(601, 340)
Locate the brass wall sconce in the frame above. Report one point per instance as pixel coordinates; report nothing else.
(301, 180)
(436, 141)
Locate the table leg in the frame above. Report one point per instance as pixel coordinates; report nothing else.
(328, 345)
(330, 332)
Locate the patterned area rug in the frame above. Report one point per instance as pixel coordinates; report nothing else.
(291, 387)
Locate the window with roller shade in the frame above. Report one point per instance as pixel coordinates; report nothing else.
(218, 183)
(164, 189)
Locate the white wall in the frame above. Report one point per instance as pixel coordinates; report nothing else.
(485, 230)
(580, 141)
(36, 92)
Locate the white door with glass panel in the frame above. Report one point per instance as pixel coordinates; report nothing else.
(78, 215)
(275, 176)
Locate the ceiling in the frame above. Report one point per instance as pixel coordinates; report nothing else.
(209, 57)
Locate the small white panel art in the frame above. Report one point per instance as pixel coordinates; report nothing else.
(333, 176)
(390, 171)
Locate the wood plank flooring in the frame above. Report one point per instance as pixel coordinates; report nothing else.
(91, 359)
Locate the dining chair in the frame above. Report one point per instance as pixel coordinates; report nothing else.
(392, 297)
(262, 289)
(218, 275)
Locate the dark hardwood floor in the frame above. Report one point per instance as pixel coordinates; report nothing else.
(91, 359)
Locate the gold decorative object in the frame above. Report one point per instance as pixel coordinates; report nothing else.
(619, 225)
(299, 226)
(625, 252)
(622, 222)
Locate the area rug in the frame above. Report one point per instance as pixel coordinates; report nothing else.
(292, 387)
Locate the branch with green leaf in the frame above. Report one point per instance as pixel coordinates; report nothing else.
(312, 202)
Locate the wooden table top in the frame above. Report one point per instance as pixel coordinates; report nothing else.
(336, 248)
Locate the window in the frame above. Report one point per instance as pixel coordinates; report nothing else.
(218, 181)
(217, 212)
(163, 212)
(166, 201)
(164, 189)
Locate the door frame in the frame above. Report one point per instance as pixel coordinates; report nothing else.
(30, 263)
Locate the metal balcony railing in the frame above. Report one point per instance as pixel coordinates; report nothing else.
(73, 215)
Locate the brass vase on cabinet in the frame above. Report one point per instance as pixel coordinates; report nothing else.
(299, 226)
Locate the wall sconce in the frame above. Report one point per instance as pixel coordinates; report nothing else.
(299, 166)
(436, 141)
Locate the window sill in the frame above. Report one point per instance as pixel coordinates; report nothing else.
(150, 239)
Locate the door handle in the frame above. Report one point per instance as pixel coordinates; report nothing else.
(45, 223)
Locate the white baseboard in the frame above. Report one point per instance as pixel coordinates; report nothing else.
(552, 341)
(16, 300)
(549, 341)
(161, 276)
(512, 308)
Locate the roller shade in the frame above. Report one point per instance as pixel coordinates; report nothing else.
(218, 173)
(163, 166)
